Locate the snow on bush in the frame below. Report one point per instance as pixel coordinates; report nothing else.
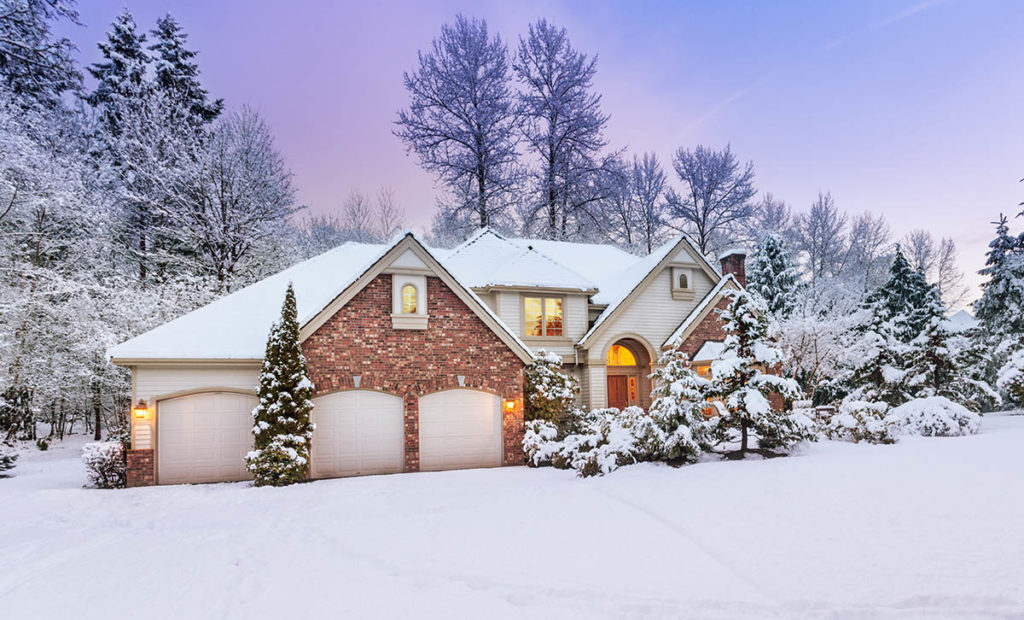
(1010, 377)
(549, 393)
(859, 420)
(935, 416)
(6, 462)
(104, 464)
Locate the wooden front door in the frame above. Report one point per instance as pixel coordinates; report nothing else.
(618, 391)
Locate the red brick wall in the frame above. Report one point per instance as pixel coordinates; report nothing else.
(709, 328)
(141, 469)
(359, 340)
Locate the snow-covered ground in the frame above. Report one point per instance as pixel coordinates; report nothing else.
(926, 528)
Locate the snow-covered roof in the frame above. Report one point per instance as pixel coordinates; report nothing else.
(698, 311)
(489, 259)
(709, 351)
(961, 321)
(236, 326)
(601, 264)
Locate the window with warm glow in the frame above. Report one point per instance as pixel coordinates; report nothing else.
(619, 355)
(704, 370)
(409, 299)
(543, 316)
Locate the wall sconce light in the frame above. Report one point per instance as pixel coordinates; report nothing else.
(510, 406)
(141, 409)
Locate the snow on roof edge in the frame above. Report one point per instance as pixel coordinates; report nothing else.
(698, 310)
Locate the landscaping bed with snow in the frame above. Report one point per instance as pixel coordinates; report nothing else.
(928, 527)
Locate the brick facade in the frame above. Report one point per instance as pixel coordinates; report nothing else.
(359, 341)
(140, 468)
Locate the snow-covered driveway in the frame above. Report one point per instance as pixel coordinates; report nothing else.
(926, 528)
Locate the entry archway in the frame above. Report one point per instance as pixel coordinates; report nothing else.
(628, 366)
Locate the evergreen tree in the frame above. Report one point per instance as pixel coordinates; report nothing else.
(177, 74)
(773, 276)
(121, 77)
(549, 393)
(34, 66)
(901, 301)
(679, 406)
(282, 426)
(941, 364)
(742, 383)
(1001, 307)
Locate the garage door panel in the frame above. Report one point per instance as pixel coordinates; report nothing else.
(204, 437)
(357, 432)
(459, 429)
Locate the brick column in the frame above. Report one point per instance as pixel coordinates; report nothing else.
(412, 433)
(141, 468)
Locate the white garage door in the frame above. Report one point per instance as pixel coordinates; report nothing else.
(204, 437)
(357, 432)
(459, 429)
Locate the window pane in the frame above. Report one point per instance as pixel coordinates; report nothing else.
(533, 322)
(553, 316)
(409, 299)
(619, 355)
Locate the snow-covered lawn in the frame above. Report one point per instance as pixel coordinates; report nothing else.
(925, 528)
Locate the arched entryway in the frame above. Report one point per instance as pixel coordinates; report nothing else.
(628, 367)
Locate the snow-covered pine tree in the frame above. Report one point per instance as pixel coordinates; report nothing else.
(282, 426)
(678, 407)
(878, 349)
(121, 76)
(741, 382)
(1001, 307)
(549, 393)
(177, 74)
(774, 276)
(940, 365)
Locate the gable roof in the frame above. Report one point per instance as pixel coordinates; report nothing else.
(638, 275)
(700, 311)
(235, 327)
(488, 259)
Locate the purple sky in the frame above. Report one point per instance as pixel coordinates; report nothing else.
(908, 109)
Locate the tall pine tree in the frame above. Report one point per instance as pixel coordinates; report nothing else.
(774, 276)
(1001, 307)
(282, 426)
(177, 74)
(121, 76)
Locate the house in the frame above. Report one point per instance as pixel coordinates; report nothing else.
(417, 354)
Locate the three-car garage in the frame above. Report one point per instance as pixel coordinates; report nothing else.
(204, 437)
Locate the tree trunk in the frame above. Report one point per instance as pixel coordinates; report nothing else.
(97, 409)
(743, 437)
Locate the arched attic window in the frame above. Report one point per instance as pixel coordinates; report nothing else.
(409, 299)
(682, 281)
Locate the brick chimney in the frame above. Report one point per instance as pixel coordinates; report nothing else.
(734, 262)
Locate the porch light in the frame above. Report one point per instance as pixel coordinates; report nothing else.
(141, 409)
(510, 406)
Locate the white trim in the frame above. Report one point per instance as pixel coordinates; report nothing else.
(700, 310)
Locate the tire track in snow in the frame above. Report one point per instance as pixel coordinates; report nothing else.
(681, 533)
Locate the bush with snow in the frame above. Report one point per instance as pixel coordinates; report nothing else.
(6, 462)
(105, 464)
(282, 427)
(859, 420)
(549, 393)
(935, 416)
(678, 408)
(1010, 377)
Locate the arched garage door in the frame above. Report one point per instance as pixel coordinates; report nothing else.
(459, 429)
(204, 437)
(357, 432)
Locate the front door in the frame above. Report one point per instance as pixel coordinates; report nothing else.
(618, 391)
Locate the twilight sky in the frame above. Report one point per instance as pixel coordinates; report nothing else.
(910, 109)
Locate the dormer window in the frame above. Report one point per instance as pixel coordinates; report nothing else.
(409, 298)
(683, 281)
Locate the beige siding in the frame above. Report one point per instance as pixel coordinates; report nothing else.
(510, 311)
(597, 384)
(652, 314)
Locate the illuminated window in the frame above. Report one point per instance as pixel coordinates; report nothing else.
(543, 316)
(408, 299)
(704, 370)
(619, 355)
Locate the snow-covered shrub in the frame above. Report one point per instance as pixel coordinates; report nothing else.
(282, 428)
(104, 464)
(549, 393)
(935, 416)
(539, 442)
(678, 408)
(6, 462)
(859, 420)
(1010, 377)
